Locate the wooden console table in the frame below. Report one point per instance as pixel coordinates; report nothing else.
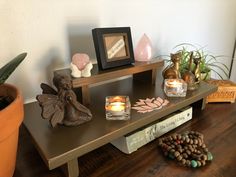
(63, 145)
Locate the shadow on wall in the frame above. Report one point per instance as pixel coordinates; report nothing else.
(51, 61)
(80, 39)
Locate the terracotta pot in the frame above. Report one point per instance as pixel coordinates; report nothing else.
(10, 119)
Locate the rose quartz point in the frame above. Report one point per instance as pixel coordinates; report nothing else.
(144, 49)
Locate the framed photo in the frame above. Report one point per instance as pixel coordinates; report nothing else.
(113, 47)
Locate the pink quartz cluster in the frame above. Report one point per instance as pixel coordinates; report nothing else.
(80, 60)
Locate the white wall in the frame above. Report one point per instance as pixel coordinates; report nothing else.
(233, 72)
(52, 31)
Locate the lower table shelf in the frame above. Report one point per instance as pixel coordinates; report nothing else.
(63, 145)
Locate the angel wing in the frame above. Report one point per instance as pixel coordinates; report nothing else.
(52, 108)
(48, 89)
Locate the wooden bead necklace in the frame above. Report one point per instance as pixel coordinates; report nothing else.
(188, 149)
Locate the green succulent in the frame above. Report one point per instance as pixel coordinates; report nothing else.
(8, 69)
(5, 72)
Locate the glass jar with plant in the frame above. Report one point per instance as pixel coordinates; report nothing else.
(209, 63)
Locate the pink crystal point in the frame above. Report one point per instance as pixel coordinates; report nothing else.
(80, 60)
(144, 49)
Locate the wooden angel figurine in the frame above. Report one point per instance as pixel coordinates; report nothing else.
(61, 106)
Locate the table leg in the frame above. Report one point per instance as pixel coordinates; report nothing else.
(154, 75)
(204, 100)
(200, 104)
(85, 95)
(72, 168)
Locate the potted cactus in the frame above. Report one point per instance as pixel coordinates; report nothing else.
(11, 116)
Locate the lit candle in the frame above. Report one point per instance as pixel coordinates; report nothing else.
(117, 107)
(175, 87)
(174, 83)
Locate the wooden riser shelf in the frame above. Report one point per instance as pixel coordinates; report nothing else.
(136, 70)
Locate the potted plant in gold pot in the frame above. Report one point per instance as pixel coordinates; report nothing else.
(11, 116)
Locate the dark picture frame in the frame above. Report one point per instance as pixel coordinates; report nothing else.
(113, 47)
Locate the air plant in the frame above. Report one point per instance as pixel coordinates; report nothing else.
(208, 62)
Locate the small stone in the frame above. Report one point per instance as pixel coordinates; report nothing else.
(185, 155)
(204, 157)
(180, 150)
(199, 163)
(195, 141)
(191, 141)
(203, 163)
(174, 136)
(179, 158)
(171, 156)
(205, 150)
(188, 152)
(176, 154)
(199, 142)
(183, 161)
(193, 163)
(188, 163)
(179, 146)
(169, 148)
(209, 156)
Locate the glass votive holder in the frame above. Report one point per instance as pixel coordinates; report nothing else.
(175, 87)
(117, 108)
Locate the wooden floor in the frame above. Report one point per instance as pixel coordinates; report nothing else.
(217, 122)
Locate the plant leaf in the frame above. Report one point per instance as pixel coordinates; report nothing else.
(7, 69)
